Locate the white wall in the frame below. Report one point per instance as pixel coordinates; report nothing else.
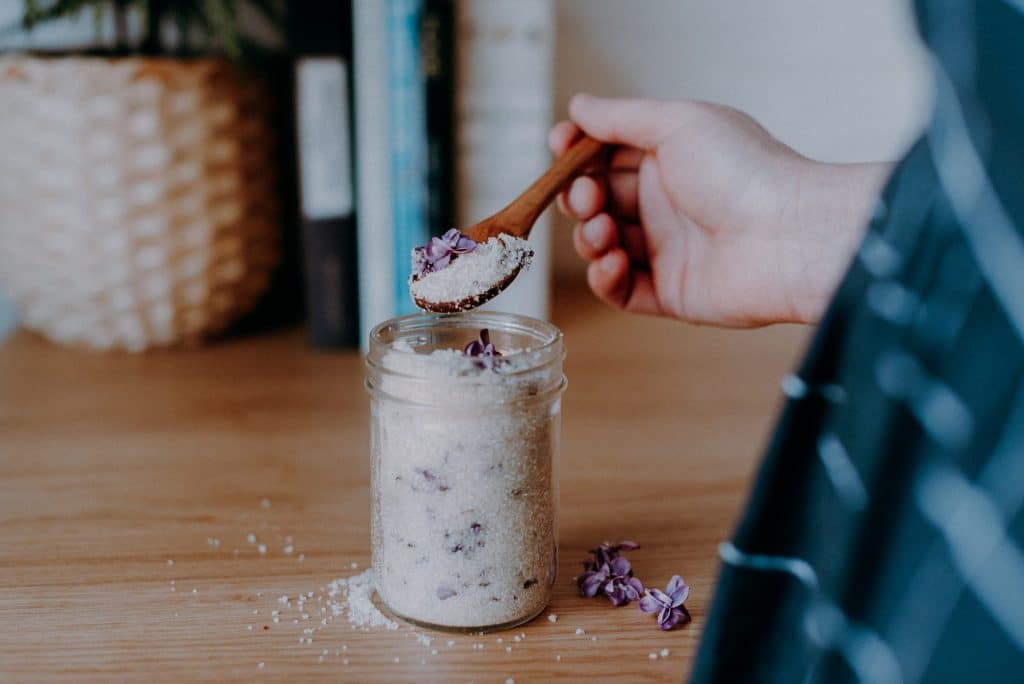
(839, 80)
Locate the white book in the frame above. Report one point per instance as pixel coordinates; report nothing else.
(373, 160)
(503, 108)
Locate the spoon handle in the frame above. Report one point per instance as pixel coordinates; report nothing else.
(523, 212)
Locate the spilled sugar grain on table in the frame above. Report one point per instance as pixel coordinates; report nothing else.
(111, 466)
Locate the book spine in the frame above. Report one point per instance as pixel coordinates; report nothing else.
(503, 108)
(325, 197)
(373, 173)
(408, 148)
(437, 60)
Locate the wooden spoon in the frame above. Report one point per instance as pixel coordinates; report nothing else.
(518, 217)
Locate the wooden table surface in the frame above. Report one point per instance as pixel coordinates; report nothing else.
(129, 484)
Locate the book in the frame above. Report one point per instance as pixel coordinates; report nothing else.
(323, 134)
(437, 62)
(325, 197)
(377, 266)
(505, 52)
(407, 127)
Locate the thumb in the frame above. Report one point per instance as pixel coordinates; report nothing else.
(637, 123)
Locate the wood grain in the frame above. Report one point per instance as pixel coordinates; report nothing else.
(110, 466)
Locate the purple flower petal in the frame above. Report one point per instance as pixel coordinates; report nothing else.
(674, 585)
(444, 593)
(438, 252)
(591, 584)
(633, 589)
(649, 604)
(661, 596)
(620, 566)
(482, 348)
(628, 546)
(669, 621)
(615, 593)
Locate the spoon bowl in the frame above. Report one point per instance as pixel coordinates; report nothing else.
(472, 301)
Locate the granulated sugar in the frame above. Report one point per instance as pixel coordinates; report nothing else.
(471, 275)
(463, 510)
(354, 598)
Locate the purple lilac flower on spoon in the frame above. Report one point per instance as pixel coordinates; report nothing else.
(668, 604)
(439, 252)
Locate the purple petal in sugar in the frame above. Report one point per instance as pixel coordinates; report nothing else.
(482, 347)
(445, 593)
(438, 252)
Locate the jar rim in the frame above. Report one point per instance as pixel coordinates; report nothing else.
(548, 335)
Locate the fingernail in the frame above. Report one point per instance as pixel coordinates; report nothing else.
(592, 234)
(608, 264)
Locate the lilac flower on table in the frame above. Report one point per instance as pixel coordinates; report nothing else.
(610, 574)
(440, 251)
(608, 551)
(668, 604)
(622, 587)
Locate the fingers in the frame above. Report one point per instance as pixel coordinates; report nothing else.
(625, 159)
(593, 238)
(638, 123)
(633, 240)
(615, 192)
(589, 195)
(561, 137)
(624, 198)
(585, 198)
(613, 282)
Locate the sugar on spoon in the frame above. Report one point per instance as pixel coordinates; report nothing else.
(515, 220)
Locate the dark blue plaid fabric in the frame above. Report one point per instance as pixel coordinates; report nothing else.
(884, 538)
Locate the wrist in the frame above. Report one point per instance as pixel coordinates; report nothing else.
(834, 205)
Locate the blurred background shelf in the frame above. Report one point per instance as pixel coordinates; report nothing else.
(838, 81)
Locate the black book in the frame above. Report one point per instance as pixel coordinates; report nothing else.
(437, 46)
(322, 37)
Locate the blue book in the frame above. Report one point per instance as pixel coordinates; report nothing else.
(377, 267)
(408, 142)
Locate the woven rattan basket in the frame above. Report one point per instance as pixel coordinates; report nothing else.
(137, 198)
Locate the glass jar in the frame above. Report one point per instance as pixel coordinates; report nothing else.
(464, 468)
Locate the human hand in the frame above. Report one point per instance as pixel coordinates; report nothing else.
(700, 214)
